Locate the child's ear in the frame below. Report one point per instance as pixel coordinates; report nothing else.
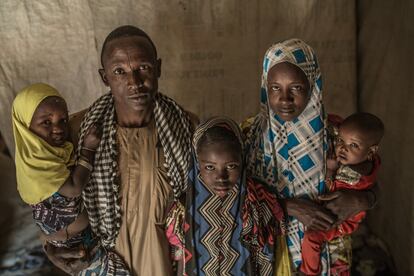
(373, 149)
(103, 76)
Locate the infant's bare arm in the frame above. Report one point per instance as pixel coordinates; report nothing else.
(75, 183)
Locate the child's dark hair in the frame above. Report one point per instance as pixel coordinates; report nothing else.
(367, 123)
(219, 134)
(123, 31)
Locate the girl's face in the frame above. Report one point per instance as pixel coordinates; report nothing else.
(288, 90)
(50, 121)
(220, 167)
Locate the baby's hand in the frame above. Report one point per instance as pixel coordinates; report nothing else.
(93, 137)
(331, 163)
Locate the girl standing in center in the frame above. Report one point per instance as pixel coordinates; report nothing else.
(226, 224)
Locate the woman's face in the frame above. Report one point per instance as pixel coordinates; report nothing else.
(220, 167)
(288, 90)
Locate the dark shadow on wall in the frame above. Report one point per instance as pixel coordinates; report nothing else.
(8, 198)
(3, 146)
(370, 254)
(20, 249)
(385, 88)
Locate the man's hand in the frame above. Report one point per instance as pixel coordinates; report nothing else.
(311, 214)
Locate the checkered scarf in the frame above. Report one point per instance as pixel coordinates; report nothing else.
(290, 156)
(101, 195)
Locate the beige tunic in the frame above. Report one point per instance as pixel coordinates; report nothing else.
(146, 194)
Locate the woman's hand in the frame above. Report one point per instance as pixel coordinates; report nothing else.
(314, 216)
(346, 203)
(70, 261)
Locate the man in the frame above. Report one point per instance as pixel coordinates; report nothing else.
(141, 163)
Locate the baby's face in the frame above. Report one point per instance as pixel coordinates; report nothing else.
(50, 121)
(352, 146)
(219, 167)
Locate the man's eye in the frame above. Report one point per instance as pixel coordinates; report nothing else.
(144, 67)
(119, 71)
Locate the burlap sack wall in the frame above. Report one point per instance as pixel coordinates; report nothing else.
(212, 50)
(385, 78)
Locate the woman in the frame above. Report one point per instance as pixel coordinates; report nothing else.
(287, 147)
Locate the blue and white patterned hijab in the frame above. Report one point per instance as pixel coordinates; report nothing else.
(290, 155)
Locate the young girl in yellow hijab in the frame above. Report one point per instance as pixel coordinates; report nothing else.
(48, 178)
(44, 158)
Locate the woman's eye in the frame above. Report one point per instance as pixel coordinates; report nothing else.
(47, 123)
(274, 88)
(209, 167)
(119, 71)
(297, 88)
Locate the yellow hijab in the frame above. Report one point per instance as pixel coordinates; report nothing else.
(40, 168)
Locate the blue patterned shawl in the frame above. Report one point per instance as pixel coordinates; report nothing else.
(211, 215)
(290, 156)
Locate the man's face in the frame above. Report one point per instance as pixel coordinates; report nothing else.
(131, 70)
(287, 90)
(352, 146)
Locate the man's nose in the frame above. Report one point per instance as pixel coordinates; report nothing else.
(135, 79)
